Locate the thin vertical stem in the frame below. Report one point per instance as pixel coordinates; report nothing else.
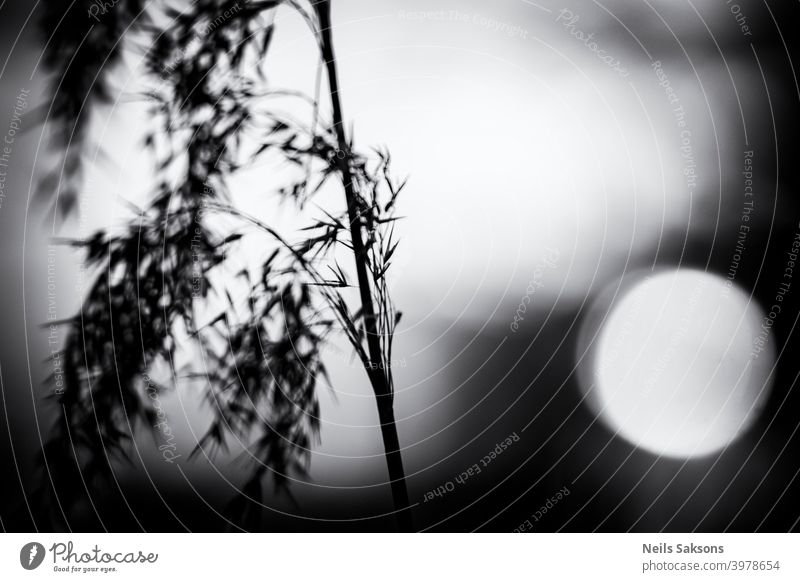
(375, 371)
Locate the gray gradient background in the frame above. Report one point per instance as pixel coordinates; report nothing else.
(514, 145)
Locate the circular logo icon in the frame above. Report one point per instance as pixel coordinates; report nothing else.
(31, 555)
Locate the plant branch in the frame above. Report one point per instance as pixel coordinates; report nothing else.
(378, 374)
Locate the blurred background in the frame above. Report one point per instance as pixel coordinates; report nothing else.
(552, 151)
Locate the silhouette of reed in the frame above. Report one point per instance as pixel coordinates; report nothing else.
(160, 285)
